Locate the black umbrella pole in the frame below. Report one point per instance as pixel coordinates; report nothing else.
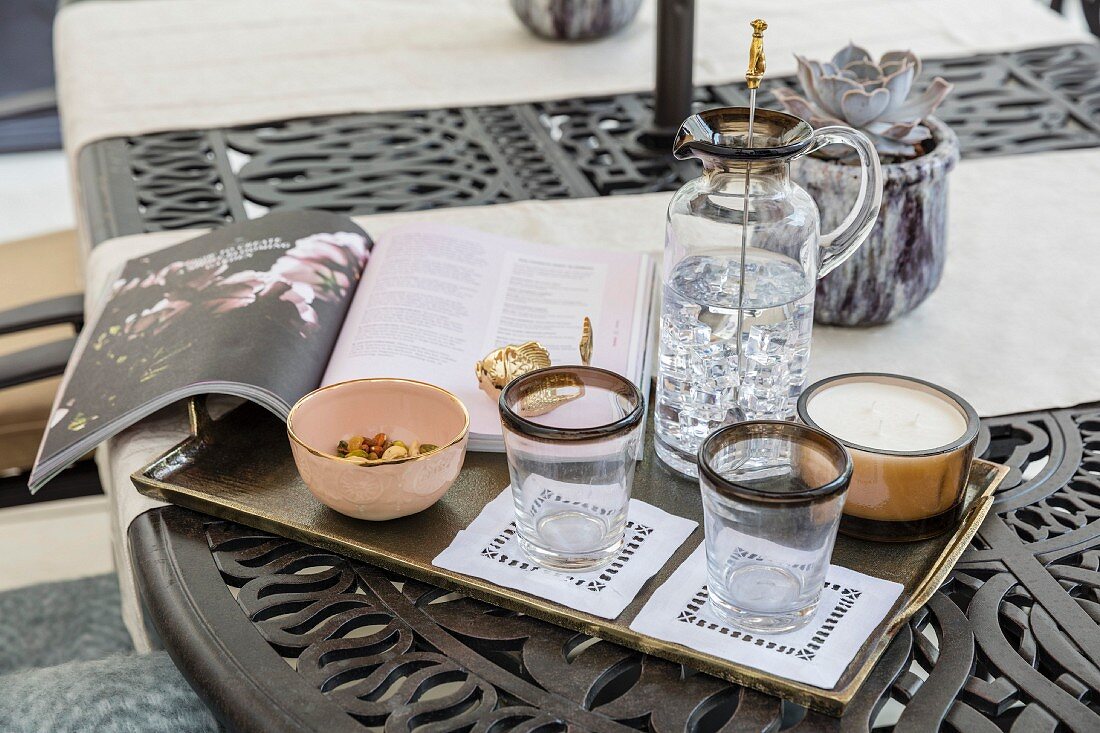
(675, 53)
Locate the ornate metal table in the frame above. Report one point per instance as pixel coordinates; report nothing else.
(280, 635)
(277, 635)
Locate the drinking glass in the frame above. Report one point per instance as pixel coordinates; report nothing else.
(572, 436)
(772, 497)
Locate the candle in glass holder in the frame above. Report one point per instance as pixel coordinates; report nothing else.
(911, 443)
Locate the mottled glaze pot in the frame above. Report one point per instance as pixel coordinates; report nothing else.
(575, 20)
(403, 409)
(901, 262)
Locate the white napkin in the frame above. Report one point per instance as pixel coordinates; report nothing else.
(852, 606)
(489, 549)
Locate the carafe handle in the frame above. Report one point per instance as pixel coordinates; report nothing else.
(839, 244)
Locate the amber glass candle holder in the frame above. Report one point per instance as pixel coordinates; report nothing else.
(912, 444)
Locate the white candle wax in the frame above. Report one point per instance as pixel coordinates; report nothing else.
(886, 416)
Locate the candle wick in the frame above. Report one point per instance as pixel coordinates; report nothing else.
(878, 427)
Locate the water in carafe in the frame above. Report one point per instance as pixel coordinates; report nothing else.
(712, 372)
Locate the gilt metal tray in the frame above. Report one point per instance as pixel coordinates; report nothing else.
(240, 468)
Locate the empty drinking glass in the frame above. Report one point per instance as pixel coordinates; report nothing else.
(572, 435)
(772, 497)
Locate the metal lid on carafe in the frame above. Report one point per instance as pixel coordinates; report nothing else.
(722, 132)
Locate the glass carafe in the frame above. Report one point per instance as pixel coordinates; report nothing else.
(729, 352)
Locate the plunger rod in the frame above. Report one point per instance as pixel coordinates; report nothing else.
(675, 54)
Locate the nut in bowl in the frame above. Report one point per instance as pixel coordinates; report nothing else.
(401, 410)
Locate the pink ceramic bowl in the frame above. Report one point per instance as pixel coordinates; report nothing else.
(402, 409)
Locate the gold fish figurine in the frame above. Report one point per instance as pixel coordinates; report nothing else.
(501, 366)
(756, 54)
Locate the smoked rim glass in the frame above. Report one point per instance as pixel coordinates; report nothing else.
(585, 376)
(571, 434)
(772, 494)
(825, 444)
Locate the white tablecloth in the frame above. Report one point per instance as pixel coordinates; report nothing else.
(139, 66)
(1017, 278)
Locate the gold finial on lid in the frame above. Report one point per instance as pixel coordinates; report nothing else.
(756, 54)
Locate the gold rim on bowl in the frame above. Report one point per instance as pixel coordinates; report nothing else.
(393, 461)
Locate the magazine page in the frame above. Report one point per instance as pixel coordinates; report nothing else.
(252, 309)
(435, 300)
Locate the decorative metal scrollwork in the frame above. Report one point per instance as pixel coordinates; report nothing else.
(393, 651)
(378, 163)
(601, 138)
(1024, 101)
(177, 182)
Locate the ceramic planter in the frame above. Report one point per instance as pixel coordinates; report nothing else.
(902, 261)
(575, 20)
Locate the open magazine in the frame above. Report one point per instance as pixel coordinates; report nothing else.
(271, 309)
